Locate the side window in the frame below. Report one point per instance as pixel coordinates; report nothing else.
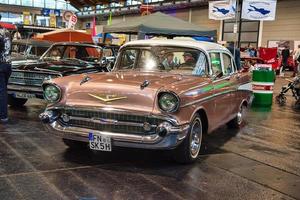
(227, 62)
(215, 59)
(201, 68)
(147, 60)
(128, 59)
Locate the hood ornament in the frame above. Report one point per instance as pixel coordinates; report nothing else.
(145, 84)
(108, 97)
(85, 79)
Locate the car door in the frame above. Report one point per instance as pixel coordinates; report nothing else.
(231, 75)
(222, 97)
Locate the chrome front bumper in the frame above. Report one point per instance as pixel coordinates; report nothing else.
(175, 135)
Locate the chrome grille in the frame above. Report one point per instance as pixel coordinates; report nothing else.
(119, 123)
(29, 78)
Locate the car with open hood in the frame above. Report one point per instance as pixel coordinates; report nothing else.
(161, 94)
(61, 59)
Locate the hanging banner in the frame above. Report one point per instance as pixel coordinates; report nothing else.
(259, 10)
(52, 20)
(109, 20)
(221, 10)
(26, 18)
(94, 29)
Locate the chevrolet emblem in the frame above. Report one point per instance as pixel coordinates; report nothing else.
(107, 97)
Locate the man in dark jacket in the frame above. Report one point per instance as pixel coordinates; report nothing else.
(285, 53)
(236, 53)
(5, 71)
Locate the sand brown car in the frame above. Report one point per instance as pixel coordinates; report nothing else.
(161, 94)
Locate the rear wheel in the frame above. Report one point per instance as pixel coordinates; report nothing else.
(188, 150)
(73, 144)
(16, 102)
(238, 121)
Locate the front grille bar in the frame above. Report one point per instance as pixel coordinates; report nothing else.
(103, 121)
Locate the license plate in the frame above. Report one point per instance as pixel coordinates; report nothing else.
(99, 142)
(24, 95)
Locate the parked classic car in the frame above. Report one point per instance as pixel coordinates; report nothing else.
(161, 94)
(61, 59)
(28, 51)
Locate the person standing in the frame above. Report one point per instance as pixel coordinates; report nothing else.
(297, 61)
(285, 54)
(236, 53)
(5, 71)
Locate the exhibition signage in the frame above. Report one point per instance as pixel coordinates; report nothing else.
(67, 15)
(48, 12)
(259, 10)
(52, 20)
(26, 18)
(72, 21)
(221, 10)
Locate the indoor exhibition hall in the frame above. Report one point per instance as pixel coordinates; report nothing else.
(150, 99)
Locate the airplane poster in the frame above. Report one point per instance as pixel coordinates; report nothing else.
(221, 10)
(259, 10)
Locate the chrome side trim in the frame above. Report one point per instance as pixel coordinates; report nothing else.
(207, 98)
(38, 72)
(24, 88)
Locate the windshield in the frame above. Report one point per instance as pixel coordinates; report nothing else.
(169, 59)
(19, 48)
(37, 51)
(74, 52)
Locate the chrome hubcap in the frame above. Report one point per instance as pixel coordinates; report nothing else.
(240, 115)
(195, 138)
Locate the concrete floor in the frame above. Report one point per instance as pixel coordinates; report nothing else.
(260, 161)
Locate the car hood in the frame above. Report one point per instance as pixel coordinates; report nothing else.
(59, 67)
(121, 90)
(16, 63)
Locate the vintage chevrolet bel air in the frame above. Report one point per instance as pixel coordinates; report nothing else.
(161, 94)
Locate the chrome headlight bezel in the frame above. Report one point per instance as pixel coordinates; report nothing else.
(168, 102)
(55, 92)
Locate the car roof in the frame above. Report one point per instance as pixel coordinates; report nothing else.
(76, 44)
(206, 46)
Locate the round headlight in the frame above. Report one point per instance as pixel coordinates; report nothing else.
(168, 102)
(52, 93)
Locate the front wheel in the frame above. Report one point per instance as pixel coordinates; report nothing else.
(238, 121)
(16, 102)
(188, 150)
